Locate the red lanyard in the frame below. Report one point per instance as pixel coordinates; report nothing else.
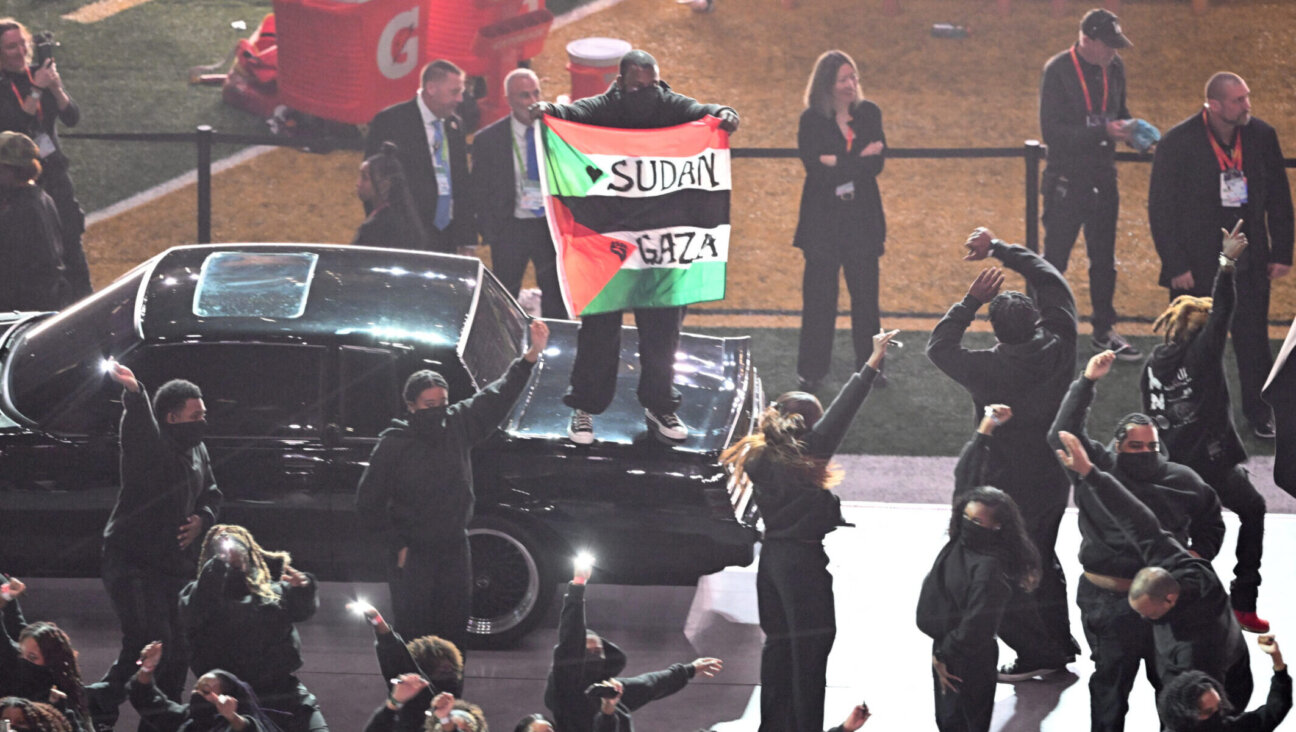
(40, 113)
(1085, 87)
(1225, 162)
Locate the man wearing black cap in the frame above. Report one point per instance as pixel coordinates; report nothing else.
(1212, 170)
(639, 100)
(1082, 117)
(416, 496)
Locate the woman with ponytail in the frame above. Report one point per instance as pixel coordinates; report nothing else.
(788, 460)
(393, 222)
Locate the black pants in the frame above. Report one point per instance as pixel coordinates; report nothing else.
(1036, 625)
(598, 359)
(522, 241)
(298, 709)
(794, 595)
(432, 594)
(147, 604)
(57, 183)
(1070, 206)
(1239, 495)
(1250, 330)
(1119, 640)
(819, 285)
(971, 709)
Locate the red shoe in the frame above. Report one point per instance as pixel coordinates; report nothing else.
(1251, 622)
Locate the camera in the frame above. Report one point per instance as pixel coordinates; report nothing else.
(44, 47)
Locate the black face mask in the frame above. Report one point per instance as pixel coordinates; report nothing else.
(979, 538)
(185, 434)
(643, 102)
(428, 423)
(1142, 466)
(201, 710)
(35, 681)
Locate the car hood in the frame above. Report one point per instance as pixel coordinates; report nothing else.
(714, 376)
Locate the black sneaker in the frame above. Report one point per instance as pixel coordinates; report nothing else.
(1023, 671)
(581, 427)
(1264, 430)
(1113, 341)
(667, 426)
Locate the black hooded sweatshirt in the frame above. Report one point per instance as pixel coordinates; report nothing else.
(1264, 718)
(164, 715)
(1031, 377)
(1200, 631)
(790, 509)
(1183, 504)
(418, 488)
(1184, 382)
(162, 485)
(613, 109)
(573, 670)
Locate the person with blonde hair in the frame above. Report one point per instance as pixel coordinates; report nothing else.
(788, 459)
(239, 616)
(1183, 386)
(841, 227)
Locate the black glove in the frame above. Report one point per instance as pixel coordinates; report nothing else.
(728, 120)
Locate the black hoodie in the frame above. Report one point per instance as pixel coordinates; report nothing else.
(573, 670)
(418, 488)
(1031, 377)
(610, 110)
(1181, 502)
(1184, 383)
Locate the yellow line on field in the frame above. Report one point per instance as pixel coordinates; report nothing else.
(95, 12)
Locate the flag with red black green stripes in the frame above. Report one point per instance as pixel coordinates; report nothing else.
(639, 218)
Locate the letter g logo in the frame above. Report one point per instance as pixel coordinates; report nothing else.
(403, 27)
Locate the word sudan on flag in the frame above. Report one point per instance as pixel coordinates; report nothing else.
(639, 218)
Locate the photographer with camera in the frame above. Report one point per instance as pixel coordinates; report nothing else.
(33, 103)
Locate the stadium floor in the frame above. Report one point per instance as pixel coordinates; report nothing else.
(879, 655)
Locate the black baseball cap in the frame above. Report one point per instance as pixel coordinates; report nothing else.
(1103, 25)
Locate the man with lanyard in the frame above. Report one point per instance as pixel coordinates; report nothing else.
(1213, 169)
(1082, 117)
(510, 206)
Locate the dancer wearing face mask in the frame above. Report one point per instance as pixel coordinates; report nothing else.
(240, 615)
(1195, 702)
(168, 499)
(219, 701)
(965, 595)
(416, 497)
(41, 665)
(1119, 640)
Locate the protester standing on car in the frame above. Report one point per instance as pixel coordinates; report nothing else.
(416, 497)
(33, 273)
(239, 616)
(787, 460)
(33, 103)
(167, 500)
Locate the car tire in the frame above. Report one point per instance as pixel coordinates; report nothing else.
(513, 584)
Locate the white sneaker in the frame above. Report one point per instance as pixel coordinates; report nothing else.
(581, 427)
(666, 426)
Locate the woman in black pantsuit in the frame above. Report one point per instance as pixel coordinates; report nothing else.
(841, 226)
(787, 460)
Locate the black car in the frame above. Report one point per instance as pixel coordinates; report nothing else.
(300, 351)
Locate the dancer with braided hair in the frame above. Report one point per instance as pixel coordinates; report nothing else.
(239, 615)
(41, 665)
(1184, 387)
(25, 715)
(219, 702)
(788, 459)
(393, 222)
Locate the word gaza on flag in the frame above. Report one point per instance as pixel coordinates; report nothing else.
(639, 218)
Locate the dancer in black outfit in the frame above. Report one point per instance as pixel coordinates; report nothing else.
(1183, 384)
(965, 595)
(1195, 702)
(787, 459)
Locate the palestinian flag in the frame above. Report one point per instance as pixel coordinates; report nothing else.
(639, 218)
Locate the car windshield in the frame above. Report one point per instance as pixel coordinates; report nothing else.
(54, 373)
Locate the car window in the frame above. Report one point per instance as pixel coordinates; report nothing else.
(495, 336)
(370, 391)
(54, 373)
(254, 284)
(251, 390)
